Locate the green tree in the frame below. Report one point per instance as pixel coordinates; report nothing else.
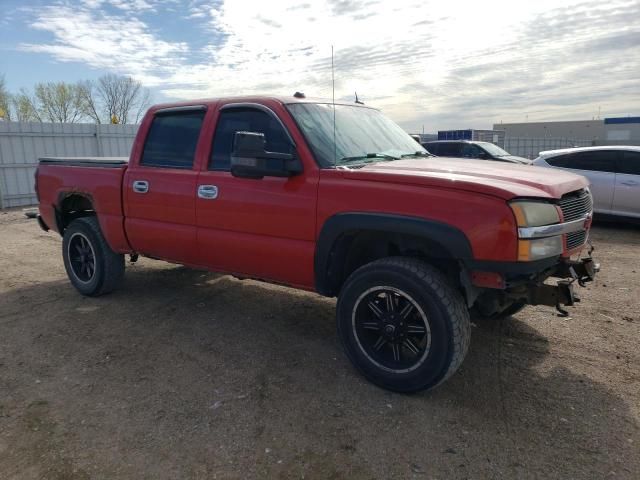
(60, 102)
(25, 107)
(5, 101)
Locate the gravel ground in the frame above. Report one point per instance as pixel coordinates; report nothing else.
(186, 374)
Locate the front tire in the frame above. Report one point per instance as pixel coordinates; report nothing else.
(92, 267)
(402, 324)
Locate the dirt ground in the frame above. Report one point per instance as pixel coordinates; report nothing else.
(184, 374)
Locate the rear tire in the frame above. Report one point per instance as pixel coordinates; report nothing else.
(92, 267)
(402, 324)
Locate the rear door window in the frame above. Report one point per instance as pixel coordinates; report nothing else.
(629, 163)
(172, 140)
(594, 160)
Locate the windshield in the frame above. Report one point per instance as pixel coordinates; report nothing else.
(361, 134)
(493, 149)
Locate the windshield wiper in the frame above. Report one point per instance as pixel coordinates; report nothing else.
(417, 154)
(382, 156)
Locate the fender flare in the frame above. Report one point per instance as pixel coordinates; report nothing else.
(61, 197)
(337, 227)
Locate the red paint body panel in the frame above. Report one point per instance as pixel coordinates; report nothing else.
(487, 221)
(161, 222)
(259, 228)
(268, 228)
(500, 179)
(102, 185)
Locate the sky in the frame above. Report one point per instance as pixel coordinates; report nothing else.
(427, 64)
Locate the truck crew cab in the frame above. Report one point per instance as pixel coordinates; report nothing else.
(331, 198)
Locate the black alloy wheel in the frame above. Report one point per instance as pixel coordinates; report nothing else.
(81, 257)
(391, 329)
(92, 266)
(404, 325)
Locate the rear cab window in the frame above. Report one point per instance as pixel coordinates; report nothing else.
(172, 139)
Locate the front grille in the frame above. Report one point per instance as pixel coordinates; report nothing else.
(575, 239)
(576, 205)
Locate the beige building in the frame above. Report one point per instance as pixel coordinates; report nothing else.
(608, 131)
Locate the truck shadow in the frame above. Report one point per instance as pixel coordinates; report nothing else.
(189, 355)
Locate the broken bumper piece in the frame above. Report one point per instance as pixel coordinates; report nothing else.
(562, 294)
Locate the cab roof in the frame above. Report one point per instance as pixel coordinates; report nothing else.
(561, 151)
(282, 99)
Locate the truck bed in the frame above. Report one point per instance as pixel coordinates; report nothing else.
(97, 179)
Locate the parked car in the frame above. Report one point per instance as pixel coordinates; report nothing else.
(472, 149)
(612, 171)
(256, 187)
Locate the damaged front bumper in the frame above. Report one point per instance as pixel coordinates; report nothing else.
(562, 294)
(493, 287)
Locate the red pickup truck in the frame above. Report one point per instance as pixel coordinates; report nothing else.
(331, 198)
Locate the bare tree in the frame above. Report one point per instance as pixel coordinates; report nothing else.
(111, 98)
(25, 107)
(144, 103)
(90, 107)
(60, 102)
(5, 101)
(123, 99)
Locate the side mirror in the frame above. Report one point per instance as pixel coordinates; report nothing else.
(484, 156)
(250, 159)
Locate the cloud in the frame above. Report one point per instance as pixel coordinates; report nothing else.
(565, 63)
(123, 44)
(126, 5)
(443, 64)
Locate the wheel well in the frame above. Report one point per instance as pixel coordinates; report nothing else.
(357, 248)
(73, 206)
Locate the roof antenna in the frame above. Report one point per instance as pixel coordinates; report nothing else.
(333, 99)
(358, 101)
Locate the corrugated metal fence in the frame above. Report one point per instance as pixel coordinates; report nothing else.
(531, 147)
(22, 143)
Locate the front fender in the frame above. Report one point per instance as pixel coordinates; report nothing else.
(337, 229)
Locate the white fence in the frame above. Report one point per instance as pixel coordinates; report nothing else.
(22, 143)
(531, 147)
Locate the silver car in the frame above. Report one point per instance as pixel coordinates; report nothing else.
(613, 171)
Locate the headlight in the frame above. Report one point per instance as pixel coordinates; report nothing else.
(534, 214)
(539, 248)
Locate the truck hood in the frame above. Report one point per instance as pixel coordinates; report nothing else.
(500, 179)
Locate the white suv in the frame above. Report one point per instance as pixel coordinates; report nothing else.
(613, 171)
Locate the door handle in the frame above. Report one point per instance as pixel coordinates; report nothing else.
(629, 183)
(140, 186)
(207, 192)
